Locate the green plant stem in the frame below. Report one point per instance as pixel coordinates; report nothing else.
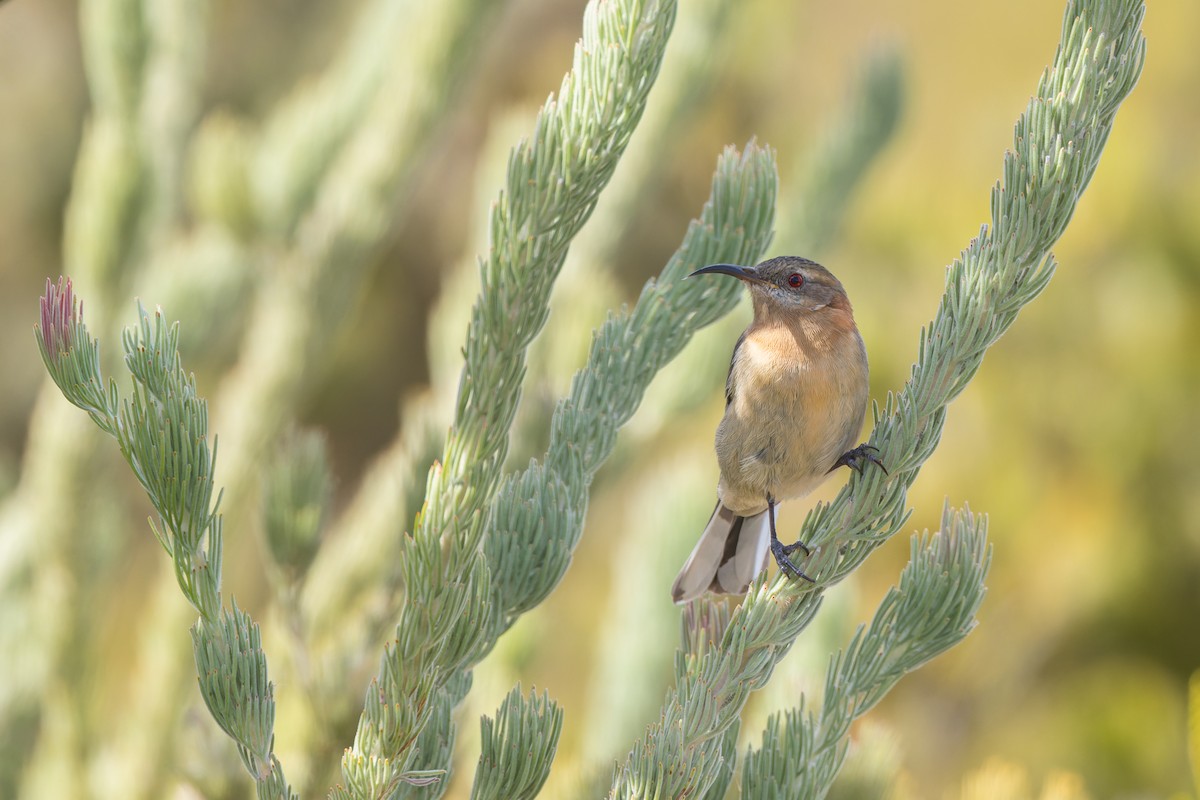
(1057, 146)
(553, 184)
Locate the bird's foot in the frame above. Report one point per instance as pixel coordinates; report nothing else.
(858, 458)
(782, 552)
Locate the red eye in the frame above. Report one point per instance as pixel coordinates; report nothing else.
(795, 280)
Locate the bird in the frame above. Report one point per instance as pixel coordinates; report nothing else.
(795, 402)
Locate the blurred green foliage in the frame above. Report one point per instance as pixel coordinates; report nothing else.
(1077, 437)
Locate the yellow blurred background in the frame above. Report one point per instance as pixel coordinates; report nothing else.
(1078, 438)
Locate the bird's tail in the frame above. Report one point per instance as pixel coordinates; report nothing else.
(731, 552)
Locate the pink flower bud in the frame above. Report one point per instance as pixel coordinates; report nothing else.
(60, 315)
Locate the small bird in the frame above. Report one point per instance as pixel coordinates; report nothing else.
(795, 401)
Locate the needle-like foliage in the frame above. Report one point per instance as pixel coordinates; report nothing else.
(554, 180)
(931, 610)
(1056, 148)
(162, 432)
(517, 748)
(487, 546)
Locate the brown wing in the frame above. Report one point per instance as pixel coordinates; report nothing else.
(729, 387)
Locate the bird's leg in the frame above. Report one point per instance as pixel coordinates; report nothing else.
(780, 550)
(857, 458)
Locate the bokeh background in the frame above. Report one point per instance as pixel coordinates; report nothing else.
(1078, 437)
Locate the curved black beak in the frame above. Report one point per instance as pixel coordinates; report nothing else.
(741, 273)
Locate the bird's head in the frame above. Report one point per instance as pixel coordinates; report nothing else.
(787, 283)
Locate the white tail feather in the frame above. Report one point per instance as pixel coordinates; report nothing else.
(730, 554)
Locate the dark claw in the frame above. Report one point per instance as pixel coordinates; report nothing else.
(857, 458)
(781, 553)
